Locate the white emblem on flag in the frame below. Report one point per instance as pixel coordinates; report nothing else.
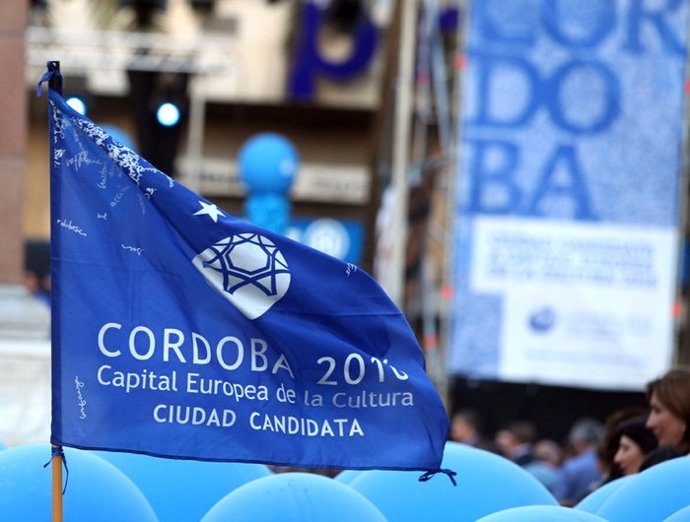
(246, 269)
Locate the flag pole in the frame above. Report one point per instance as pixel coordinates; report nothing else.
(57, 458)
(56, 462)
(55, 82)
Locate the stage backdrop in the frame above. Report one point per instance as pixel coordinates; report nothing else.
(568, 201)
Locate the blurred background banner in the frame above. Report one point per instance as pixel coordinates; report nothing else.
(568, 202)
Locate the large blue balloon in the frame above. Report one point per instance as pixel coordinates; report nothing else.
(654, 494)
(294, 497)
(542, 514)
(486, 483)
(268, 162)
(680, 516)
(593, 502)
(269, 211)
(96, 490)
(183, 490)
(348, 475)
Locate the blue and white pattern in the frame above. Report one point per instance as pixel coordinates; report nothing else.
(569, 190)
(248, 270)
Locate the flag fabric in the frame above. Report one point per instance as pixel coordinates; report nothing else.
(182, 332)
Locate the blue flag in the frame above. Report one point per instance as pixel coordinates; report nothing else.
(180, 331)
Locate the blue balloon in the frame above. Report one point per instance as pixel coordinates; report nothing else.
(348, 475)
(269, 211)
(654, 494)
(593, 502)
(95, 489)
(682, 515)
(542, 514)
(183, 490)
(294, 497)
(486, 483)
(268, 162)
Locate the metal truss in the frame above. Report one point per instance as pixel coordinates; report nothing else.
(87, 51)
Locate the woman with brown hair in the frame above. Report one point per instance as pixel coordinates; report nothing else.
(669, 401)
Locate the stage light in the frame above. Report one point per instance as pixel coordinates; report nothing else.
(159, 102)
(168, 114)
(78, 104)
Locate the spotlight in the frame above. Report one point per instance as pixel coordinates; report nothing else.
(78, 104)
(77, 94)
(159, 101)
(168, 114)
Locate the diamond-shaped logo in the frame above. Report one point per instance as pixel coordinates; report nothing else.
(246, 269)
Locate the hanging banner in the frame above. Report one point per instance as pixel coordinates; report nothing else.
(566, 233)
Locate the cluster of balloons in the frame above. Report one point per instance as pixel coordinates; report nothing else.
(108, 486)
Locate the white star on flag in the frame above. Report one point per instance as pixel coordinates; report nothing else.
(210, 210)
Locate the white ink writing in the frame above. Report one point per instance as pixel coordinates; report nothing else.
(71, 227)
(136, 250)
(81, 402)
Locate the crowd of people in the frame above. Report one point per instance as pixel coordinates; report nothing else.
(628, 441)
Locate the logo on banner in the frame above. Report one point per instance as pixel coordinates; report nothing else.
(543, 320)
(246, 269)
